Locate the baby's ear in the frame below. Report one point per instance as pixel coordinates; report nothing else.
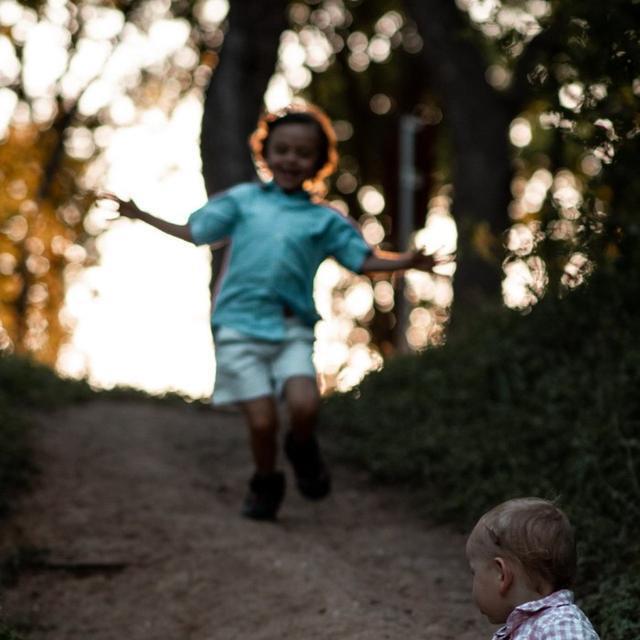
(505, 574)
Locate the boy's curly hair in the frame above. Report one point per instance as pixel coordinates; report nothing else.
(534, 532)
(298, 114)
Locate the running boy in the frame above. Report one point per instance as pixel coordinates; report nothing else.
(523, 560)
(264, 313)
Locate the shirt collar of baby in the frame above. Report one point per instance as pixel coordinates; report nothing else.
(526, 610)
(555, 599)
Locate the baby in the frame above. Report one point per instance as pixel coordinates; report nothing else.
(523, 560)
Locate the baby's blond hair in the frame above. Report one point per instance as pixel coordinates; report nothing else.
(534, 532)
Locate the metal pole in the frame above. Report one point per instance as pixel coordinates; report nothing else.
(408, 182)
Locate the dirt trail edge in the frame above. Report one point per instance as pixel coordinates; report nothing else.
(136, 506)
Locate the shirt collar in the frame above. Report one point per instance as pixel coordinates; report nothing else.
(273, 186)
(526, 610)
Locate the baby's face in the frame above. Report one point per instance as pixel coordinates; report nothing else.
(292, 154)
(486, 574)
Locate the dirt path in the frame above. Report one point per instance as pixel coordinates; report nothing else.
(137, 505)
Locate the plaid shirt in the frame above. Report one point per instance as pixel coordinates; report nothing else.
(552, 618)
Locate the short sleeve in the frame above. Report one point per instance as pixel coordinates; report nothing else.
(345, 243)
(216, 219)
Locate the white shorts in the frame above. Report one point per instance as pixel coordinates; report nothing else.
(249, 368)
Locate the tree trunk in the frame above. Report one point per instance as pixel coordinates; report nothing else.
(234, 97)
(478, 119)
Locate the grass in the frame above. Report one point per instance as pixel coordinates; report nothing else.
(8, 634)
(545, 404)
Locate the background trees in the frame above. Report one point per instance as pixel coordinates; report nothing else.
(72, 74)
(527, 138)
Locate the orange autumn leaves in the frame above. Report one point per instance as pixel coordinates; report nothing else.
(41, 239)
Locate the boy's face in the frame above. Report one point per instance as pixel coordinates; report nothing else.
(292, 154)
(487, 582)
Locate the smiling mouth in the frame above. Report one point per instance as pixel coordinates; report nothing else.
(289, 175)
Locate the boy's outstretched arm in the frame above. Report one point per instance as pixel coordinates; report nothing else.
(391, 261)
(129, 209)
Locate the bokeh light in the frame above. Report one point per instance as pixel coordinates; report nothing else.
(371, 199)
(571, 96)
(520, 132)
(373, 232)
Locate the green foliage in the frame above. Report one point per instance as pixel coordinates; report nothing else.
(577, 86)
(8, 634)
(50, 146)
(27, 384)
(545, 405)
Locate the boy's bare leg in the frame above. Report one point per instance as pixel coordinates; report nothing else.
(266, 486)
(301, 446)
(303, 403)
(261, 415)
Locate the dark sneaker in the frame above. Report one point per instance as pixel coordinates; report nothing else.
(312, 477)
(264, 496)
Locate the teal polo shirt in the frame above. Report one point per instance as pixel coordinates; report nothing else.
(278, 241)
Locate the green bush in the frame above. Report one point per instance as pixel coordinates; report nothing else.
(545, 404)
(25, 383)
(8, 634)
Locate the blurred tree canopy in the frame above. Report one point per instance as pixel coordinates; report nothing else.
(527, 116)
(71, 75)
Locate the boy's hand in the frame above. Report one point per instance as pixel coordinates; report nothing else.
(129, 209)
(424, 262)
(126, 208)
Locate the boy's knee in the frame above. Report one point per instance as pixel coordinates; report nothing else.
(261, 415)
(304, 409)
(263, 425)
(303, 402)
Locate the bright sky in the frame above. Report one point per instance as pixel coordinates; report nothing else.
(143, 312)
